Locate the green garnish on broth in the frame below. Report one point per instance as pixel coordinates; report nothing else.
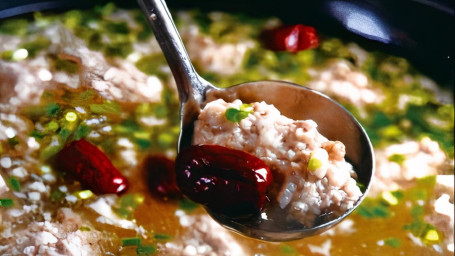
(14, 183)
(6, 202)
(126, 205)
(236, 115)
(393, 242)
(140, 248)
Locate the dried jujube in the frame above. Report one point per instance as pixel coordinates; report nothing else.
(291, 38)
(228, 182)
(160, 173)
(91, 167)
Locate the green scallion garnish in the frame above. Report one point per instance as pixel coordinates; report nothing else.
(131, 241)
(6, 202)
(145, 249)
(162, 236)
(15, 184)
(236, 115)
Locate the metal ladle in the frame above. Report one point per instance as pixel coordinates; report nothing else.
(294, 101)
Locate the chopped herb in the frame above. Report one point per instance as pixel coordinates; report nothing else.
(389, 198)
(131, 241)
(6, 202)
(417, 211)
(419, 194)
(108, 107)
(393, 242)
(17, 27)
(162, 236)
(141, 249)
(57, 195)
(187, 205)
(64, 134)
(143, 144)
(71, 116)
(52, 126)
(314, 163)
(419, 228)
(84, 194)
(36, 134)
(160, 111)
(52, 109)
(397, 158)
(40, 43)
(165, 140)
(287, 249)
(127, 204)
(67, 66)
(84, 228)
(14, 184)
(432, 235)
(145, 249)
(371, 208)
(81, 131)
(50, 151)
(427, 182)
(361, 186)
(13, 141)
(117, 27)
(236, 115)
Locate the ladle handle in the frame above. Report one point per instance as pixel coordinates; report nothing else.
(189, 83)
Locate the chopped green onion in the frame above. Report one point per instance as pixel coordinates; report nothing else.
(131, 241)
(57, 195)
(67, 66)
(36, 134)
(371, 208)
(52, 126)
(397, 158)
(6, 202)
(81, 131)
(71, 116)
(393, 242)
(127, 204)
(314, 163)
(187, 205)
(84, 228)
(108, 107)
(287, 249)
(15, 184)
(389, 198)
(84, 194)
(162, 236)
(165, 140)
(13, 141)
(146, 249)
(236, 115)
(432, 235)
(52, 109)
(64, 133)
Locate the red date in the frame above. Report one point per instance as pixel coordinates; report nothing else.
(291, 38)
(91, 167)
(228, 182)
(160, 173)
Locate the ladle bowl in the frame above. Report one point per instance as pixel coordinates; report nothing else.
(294, 101)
